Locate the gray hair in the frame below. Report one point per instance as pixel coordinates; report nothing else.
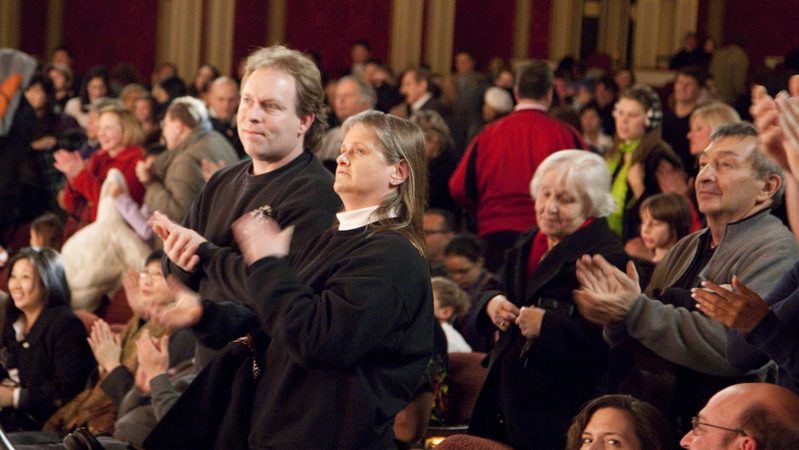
(584, 173)
(366, 90)
(762, 165)
(190, 111)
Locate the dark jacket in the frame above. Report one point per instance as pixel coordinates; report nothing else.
(54, 360)
(540, 386)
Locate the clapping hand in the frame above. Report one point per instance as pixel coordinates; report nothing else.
(259, 236)
(180, 243)
(185, 312)
(606, 293)
(105, 345)
(739, 308)
(68, 163)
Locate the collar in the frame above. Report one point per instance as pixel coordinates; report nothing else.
(417, 105)
(350, 220)
(534, 106)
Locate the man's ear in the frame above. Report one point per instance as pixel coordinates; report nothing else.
(401, 173)
(305, 123)
(771, 184)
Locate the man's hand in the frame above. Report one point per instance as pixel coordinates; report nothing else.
(180, 243)
(68, 163)
(741, 309)
(606, 293)
(144, 172)
(502, 312)
(184, 313)
(153, 355)
(259, 236)
(105, 345)
(529, 321)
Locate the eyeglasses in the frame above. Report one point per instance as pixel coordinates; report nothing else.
(695, 423)
(150, 275)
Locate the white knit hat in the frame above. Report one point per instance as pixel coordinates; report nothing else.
(499, 99)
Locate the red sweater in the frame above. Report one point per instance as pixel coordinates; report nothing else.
(88, 182)
(507, 153)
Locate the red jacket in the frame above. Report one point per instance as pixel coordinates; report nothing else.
(86, 185)
(503, 159)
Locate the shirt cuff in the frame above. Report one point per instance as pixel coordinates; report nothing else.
(17, 393)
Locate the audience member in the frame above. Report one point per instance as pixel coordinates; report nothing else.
(691, 54)
(360, 52)
(639, 158)
(688, 85)
(119, 135)
(46, 359)
(439, 153)
(92, 144)
(665, 219)
(47, 230)
(606, 93)
(174, 178)
(548, 360)
(352, 96)
(418, 88)
(283, 179)
(591, 125)
(164, 92)
(449, 303)
(205, 74)
(747, 416)
(336, 339)
(465, 89)
(62, 79)
(704, 120)
(223, 101)
(613, 421)
(736, 187)
(624, 78)
(95, 86)
(379, 76)
(439, 228)
(492, 177)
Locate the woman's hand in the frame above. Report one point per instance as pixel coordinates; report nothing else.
(529, 321)
(635, 178)
(6, 396)
(105, 345)
(68, 163)
(259, 236)
(184, 313)
(502, 312)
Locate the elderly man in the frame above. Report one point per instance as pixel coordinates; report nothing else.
(223, 99)
(493, 176)
(736, 188)
(175, 177)
(753, 416)
(280, 119)
(353, 95)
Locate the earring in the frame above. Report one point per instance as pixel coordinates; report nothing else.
(396, 181)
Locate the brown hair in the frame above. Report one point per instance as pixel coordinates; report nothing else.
(650, 426)
(310, 93)
(50, 228)
(399, 140)
(132, 133)
(671, 208)
(449, 294)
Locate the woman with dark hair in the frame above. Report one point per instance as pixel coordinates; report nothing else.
(619, 421)
(46, 358)
(95, 86)
(350, 318)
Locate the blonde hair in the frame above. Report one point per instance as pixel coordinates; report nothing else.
(399, 140)
(310, 93)
(715, 114)
(132, 133)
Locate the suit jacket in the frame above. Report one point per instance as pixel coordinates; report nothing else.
(539, 385)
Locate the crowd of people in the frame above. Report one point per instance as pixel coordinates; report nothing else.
(285, 259)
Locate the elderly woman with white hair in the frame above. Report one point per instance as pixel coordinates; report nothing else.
(548, 360)
(174, 178)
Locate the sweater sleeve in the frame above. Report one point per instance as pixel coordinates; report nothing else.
(310, 207)
(361, 304)
(117, 383)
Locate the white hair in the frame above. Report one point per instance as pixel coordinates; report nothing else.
(194, 108)
(584, 173)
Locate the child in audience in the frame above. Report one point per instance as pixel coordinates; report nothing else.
(449, 302)
(47, 230)
(665, 219)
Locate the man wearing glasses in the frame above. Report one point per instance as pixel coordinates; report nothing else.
(752, 416)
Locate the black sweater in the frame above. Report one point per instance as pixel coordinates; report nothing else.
(351, 324)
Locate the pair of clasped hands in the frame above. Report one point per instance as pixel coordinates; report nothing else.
(257, 236)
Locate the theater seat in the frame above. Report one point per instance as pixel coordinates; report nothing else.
(466, 442)
(466, 375)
